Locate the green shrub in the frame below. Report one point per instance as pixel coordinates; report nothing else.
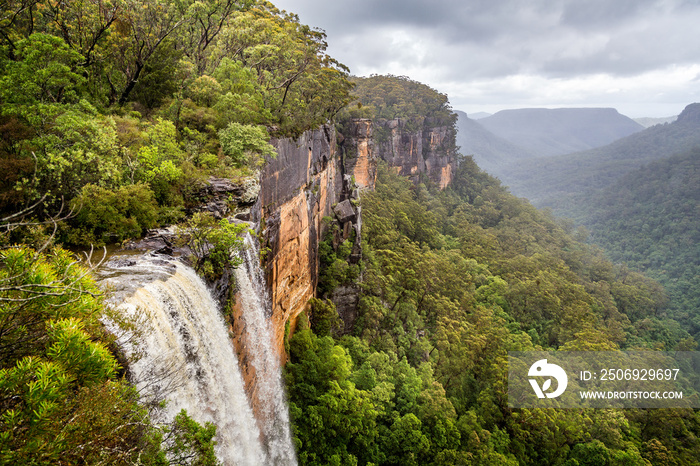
(106, 216)
(213, 243)
(246, 143)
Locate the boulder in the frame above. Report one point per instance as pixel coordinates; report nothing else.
(345, 212)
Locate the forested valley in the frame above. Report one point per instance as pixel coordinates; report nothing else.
(112, 116)
(450, 282)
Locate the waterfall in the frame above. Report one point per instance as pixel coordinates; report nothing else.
(263, 356)
(185, 354)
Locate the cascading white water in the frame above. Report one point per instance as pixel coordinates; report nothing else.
(187, 354)
(256, 307)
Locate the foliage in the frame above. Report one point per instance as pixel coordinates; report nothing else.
(114, 94)
(648, 220)
(187, 442)
(106, 216)
(335, 269)
(77, 148)
(280, 67)
(324, 318)
(214, 244)
(333, 421)
(390, 97)
(452, 280)
(61, 401)
(41, 76)
(246, 144)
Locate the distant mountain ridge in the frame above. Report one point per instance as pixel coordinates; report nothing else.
(490, 152)
(648, 122)
(479, 115)
(561, 181)
(546, 132)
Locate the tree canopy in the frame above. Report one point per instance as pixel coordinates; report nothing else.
(449, 282)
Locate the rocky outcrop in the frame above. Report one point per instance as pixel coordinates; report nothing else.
(414, 147)
(222, 196)
(358, 151)
(417, 151)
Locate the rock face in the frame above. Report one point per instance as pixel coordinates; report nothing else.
(297, 190)
(313, 178)
(417, 150)
(414, 147)
(359, 155)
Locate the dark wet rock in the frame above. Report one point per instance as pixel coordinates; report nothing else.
(120, 262)
(243, 216)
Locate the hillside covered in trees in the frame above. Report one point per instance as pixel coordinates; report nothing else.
(450, 282)
(648, 220)
(638, 198)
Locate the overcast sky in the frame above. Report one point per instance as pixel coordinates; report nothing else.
(639, 56)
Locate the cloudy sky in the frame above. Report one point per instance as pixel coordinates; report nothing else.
(639, 56)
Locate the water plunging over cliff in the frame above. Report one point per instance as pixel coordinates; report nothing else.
(186, 353)
(255, 304)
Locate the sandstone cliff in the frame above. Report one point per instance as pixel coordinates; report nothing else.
(317, 176)
(413, 147)
(298, 188)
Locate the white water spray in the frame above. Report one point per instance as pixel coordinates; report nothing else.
(187, 354)
(263, 356)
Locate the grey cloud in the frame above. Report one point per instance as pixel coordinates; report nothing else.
(451, 41)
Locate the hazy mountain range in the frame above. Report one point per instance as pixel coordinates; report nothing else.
(492, 153)
(559, 131)
(559, 181)
(496, 141)
(639, 195)
(648, 122)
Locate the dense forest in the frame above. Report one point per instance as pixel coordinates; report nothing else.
(452, 281)
(113, 115)
(638, 198)
(648, 220)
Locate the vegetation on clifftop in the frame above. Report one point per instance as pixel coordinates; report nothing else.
(121, 109)
(390, 97)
